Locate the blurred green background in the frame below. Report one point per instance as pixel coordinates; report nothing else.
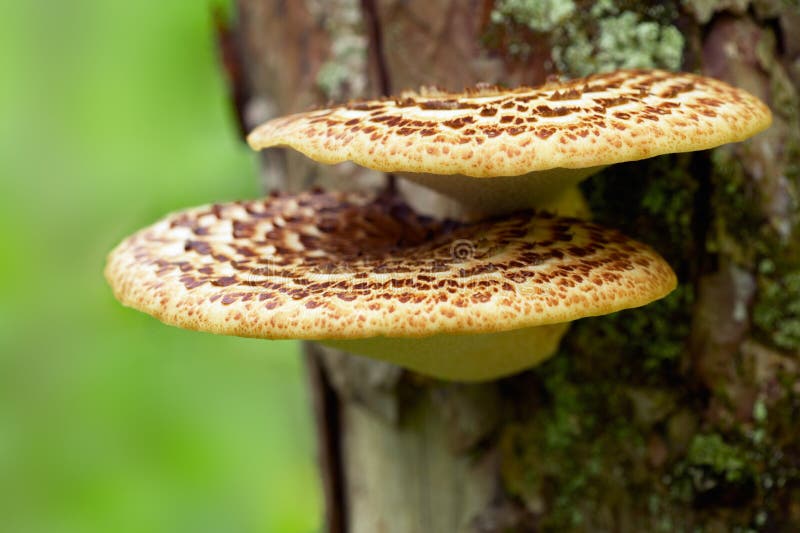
(113, 114)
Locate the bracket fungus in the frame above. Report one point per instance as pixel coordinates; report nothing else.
(533, 143)
(365, 273)
(454, 299)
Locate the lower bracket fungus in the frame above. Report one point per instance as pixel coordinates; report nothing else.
(366, 273)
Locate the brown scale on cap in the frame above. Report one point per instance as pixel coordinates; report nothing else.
(324, 265)
(488, 132)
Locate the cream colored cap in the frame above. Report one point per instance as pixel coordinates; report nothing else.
(325, 265)
(588, 122)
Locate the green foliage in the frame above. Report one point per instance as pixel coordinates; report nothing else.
(114, 113)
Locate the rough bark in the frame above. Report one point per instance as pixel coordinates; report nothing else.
(675, 417)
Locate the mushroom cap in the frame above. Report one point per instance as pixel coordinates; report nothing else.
(488, 132)
(332, 265)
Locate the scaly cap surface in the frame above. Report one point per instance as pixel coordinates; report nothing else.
(325, 265)
(488, 132)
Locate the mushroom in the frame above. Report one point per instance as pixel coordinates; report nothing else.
(534, 143)
(453, 299)
(366, 273)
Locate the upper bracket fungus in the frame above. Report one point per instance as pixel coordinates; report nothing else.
(367, 274)
(533, 142)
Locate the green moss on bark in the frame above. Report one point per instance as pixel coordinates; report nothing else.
(630, 428)
(624, 40)
(777, 311)
(589, 37)
(755, 201)
(607, 398)
(619, 410)
(540, 465)
(344, 74)
(713, 453)
(538, 15)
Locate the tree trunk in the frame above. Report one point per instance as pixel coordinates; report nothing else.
(677, 416)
